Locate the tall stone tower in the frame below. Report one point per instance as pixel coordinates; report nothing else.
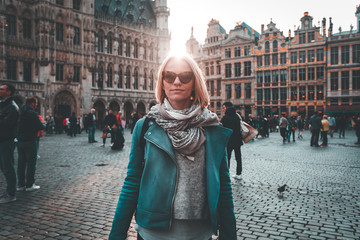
(162, 14)
(357, 14)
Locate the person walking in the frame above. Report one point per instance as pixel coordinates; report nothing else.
(178, 182)
(29, 125)
(332, 125)
(341, 124)
(109, 123)
(232, 120)
(283, 125)
(9, 113)
(73, 125)
(315, 126)
(291, 128)
(324, 130)
(357, 129)
(300, 126)
(91, 125)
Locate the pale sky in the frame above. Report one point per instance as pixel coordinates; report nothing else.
(285, 13)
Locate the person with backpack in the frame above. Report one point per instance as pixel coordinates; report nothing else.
(178, 182)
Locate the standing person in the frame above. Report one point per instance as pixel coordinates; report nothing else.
(109, 122)
(342, 124)
(315, 126)
(324, 130)
(73, 125)
(9, 113)
(29, 125)
(182, 190)
(357, 129)
(134, 119)
(283, 125)
(232, 120)
(91, 125)
(300, 126)
(291, 128)
(332, 125)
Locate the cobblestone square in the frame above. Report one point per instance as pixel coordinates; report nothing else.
(80, 184)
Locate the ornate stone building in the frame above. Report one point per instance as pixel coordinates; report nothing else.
(75, 54)
(269, 74)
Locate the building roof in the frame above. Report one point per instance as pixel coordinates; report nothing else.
(243, 25)
(127, 10)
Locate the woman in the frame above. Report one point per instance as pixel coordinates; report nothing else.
(182, 189)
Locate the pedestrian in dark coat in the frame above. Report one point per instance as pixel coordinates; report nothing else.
(73, 124)
(232, 120)
(315, 126)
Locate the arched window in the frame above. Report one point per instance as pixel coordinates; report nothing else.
(275, 46)
(152, 80)
(136, 48)
(110, 77)
(128, 77)
(100, 77)
(145, 50)
(151, 52)
(120, 82)
(267, 47)
(128, 42)
(100, 46)
(109, 43)
(136, 79)
(120, 48)
(145, 80)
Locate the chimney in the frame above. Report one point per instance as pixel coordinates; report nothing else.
(289, 33)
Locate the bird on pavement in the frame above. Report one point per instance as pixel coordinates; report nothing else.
(281, 190)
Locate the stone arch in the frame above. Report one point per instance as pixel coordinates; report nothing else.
(140, 108)
(100, 111)
(64, 104)
(128, 109)
(114, 106)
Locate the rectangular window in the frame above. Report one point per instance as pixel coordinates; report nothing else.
(356, 80)
(274, 59)
(59, 72)
(76, 36)
(228, 70)
(259, 95)
(334, 55)
(237, 90)
(259, 61)
(311, 36)
(218, 88)
(267, 60)
(311, 73)
(283, 75)
(237, 69)
(302, 56)
(302, 74)
(212, 90)
(302, 38)
(60, 2)
(275, 76)
(59, 32)
(293, 75)
(283, 94)
(247, 51)
(319, 73)
(267, 76)
(345, 54)
(10, 25)
(275, 94)
(218, 69)
(237, 52)
(259, 77)
(282, 58)
(356, 53)
(311, 93)
(293, 58)
(267, 94)
(211, 70)
(247, 90)
(27, 71)
(334, 77)
(76, 77)
(76, 4)
(26, 28)
(247, 71)
(320, 92)
(293, 93)
(11, 69)
(302, 93)
(228, 91)
(320, 55)
(228, 53)
(344, 80)
(311, 56)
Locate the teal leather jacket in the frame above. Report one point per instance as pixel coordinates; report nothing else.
(149, 189)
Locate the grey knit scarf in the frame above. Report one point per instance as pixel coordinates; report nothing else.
(184, 127)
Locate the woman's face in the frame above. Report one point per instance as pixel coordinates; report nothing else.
(178, 83)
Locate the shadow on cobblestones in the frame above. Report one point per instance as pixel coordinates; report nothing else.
(80, 184)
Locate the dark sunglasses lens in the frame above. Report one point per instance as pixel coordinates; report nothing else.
(186, 77)
(169, 77)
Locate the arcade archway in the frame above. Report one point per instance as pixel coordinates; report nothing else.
(100, 113)
(64, 104)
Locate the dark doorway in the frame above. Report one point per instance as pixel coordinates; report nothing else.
(100, 112)
(63, 110)
(128, 109)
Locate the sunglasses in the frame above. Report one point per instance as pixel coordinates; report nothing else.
(184, 77)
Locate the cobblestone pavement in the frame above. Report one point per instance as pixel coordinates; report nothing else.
(80, 184)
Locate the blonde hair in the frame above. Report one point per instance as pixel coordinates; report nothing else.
(201, 96)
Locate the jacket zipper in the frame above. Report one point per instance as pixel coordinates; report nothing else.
(176, 183)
